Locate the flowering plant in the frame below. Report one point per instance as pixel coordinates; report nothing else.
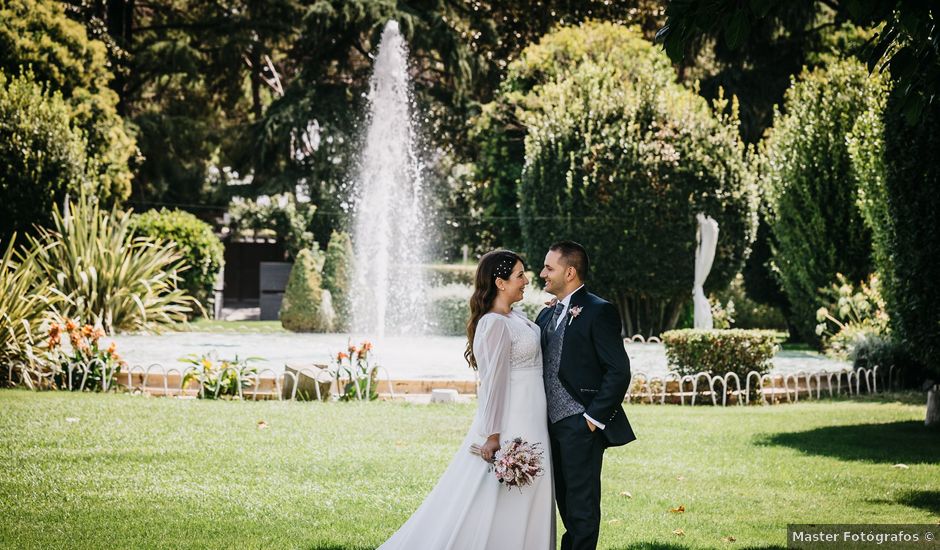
(572, 313)
(219, 377)
(517, 463)
(84, 364)
(354, 374)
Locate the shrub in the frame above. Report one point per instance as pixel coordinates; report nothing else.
(622, 158)
(899, 198)
(748, 313)
(41, 35)
(719, 352)
(337, 277)
(42, 156)
(812, 187)
(306, 306)
(849, 311)
(26, 300)
(870, 349)
(200, 248)
(111, 277)
(449, 308)
(448, 274)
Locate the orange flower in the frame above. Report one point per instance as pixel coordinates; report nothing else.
(111, 349)
(352, 348)
(98, 333)
(341, 355)
(54, 335)
(87, 331)
(367, 345)
(70, 325)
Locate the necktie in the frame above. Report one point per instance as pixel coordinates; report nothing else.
(559, 307)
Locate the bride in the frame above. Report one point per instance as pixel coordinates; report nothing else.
(468, 509)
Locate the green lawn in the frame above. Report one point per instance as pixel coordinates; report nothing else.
(139, 472)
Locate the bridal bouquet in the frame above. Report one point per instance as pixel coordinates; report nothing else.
(517, 463)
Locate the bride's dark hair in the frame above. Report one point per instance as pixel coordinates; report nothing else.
(498, 263)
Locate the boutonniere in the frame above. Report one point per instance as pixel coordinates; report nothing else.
(573, 312)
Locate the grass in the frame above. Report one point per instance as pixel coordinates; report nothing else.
(139, 472)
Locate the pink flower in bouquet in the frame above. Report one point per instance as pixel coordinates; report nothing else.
(518, 463)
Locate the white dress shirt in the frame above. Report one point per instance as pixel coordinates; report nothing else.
(561, 318)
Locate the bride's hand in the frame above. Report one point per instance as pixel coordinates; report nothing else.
(488, 450)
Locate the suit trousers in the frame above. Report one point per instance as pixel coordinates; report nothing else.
(577, 456)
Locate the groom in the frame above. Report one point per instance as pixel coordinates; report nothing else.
(587, 374)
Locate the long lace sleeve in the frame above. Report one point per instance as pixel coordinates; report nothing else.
(491, 347)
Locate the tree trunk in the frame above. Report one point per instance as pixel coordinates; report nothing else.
(933, 407)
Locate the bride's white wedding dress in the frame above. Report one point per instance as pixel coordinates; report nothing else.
(468, 509)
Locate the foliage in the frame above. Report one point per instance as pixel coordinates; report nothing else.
(42, 155)
(849, 311)
(282, 214)
(906, 46)
(85, 366)
(306, 307)
(622, 158)
(355, 375)
(112, 277)
(911, 181)
(195, 241)
(720, 351)
(219, 377)
(748, 313)
(869, 349)
(337, 277)
(812, 189)
(37, 34)
(449, 308)
(448, 274)
(25, 302)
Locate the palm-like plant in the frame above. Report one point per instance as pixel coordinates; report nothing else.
(25, 302)
(111, 277)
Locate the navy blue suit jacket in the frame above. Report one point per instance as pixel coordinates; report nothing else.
(594, 366)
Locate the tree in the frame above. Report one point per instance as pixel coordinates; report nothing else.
(621, 157)
(812, 187)
(37, 34)
(906, 46)
(42, 155)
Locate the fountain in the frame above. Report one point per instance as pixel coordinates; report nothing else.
(390, 230)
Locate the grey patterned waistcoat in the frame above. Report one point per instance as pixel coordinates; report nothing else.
(560, 403)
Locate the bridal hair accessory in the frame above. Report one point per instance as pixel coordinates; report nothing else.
(504, 269)
(517, 463)
(573, 312)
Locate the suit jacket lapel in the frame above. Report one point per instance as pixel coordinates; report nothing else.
(541, 321)
(577, 300)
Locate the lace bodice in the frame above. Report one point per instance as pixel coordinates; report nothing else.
(526, 349)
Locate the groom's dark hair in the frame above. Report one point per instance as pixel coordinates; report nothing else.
(574, 255)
